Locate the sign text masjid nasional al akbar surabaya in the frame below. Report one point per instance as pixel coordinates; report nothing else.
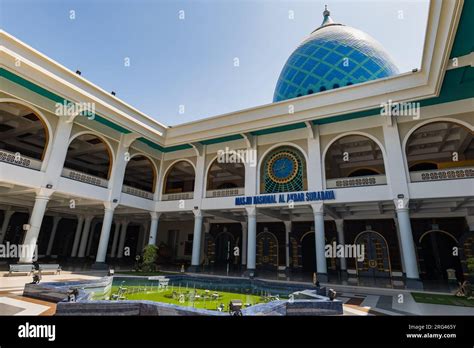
(286, 198)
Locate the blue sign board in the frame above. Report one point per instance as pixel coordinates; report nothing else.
(286, 198)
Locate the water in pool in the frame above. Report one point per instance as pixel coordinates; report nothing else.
(187, 294)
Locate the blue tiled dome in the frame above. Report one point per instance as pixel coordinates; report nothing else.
(333, 56)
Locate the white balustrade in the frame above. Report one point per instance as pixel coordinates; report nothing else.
(442, 174)
(137, 192)
(370, 180)
(19, 160)
(83, 177)
(239, 191)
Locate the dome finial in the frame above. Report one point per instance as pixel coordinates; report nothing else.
(326, 12)
(327, 19)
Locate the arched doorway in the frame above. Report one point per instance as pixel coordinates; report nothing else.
(376, 262)
(224, 244)
(437, 254)
(24, 136)
(140, 174)
(308, 252)
(225, 176)
(438, 146)
(353, 155)
(88, 159)
(210, 248)
(467, 251)
(179, 179)
(267, 251)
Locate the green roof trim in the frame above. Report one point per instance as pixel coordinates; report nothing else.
(110, 124)
(177, 148)
(279, 129)
(221, 140)
(346, 117)
(150, 144)
(32, 87)
(458, 84)
(56, 98)
(164, 149)
(463, 42)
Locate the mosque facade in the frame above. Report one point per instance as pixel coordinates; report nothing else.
(351, 155)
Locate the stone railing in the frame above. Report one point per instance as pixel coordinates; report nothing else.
(239, 191)
(19, 160)
(442, 174)
(177, 196)
(370, 180)
(137, 192)
(86, 178)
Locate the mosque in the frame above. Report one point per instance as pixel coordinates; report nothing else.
(350, 152)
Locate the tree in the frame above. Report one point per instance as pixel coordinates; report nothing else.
(470, 267)
(150, 253)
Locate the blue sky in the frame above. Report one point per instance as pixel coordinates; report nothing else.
(190, 62)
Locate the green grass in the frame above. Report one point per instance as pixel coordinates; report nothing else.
(449, 300)
(182, 298)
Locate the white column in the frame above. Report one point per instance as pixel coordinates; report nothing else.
(195, 258)
(287, 243)
(320, 240)
(77, 235)
(200, 173)
(6, 221)
(341, 241)
(251, 238)
(395, 163)
(36, 218)
(117, 173)
(395, 167)
(153, 227)
(113, 252)
(85, 235)
(115, 191)
(244, 243)
(159, 182)
(91, 237)
(402, 258)
(122, 240)
(314, 165)
(56, 220)
(59, 147)
(408, 245)
(470, 222)
(207, 229)
(144, 236)
(251, 167)
(105, 232)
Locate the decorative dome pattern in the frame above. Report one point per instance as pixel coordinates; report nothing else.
(333, 56)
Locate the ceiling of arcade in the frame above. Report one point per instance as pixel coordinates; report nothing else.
(21, 131)
(439, 141)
